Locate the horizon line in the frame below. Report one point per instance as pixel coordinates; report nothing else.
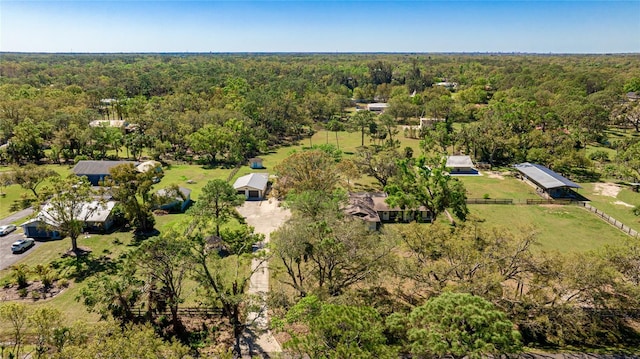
(310, 53)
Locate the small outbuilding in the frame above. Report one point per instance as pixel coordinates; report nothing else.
(255, 163)
(176, 199)
(547, 181)
(253, 186)
(461, 165)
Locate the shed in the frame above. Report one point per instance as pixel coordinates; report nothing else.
(97, 171)
(255, 163)
(174, 199)
(253, 186)
(546, 180)
(460, 165)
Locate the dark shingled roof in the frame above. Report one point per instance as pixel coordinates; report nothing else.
(97, 167)
(544, 177)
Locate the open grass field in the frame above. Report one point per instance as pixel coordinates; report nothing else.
(14, 194)
(562, 228)
(497, 186)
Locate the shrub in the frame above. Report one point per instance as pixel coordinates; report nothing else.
(22, 292)
(20, 274)
(599, 155)
(35, 295)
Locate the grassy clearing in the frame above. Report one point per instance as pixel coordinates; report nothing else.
(562, 228)
(14, 194)
(505, 187)
(617, 207)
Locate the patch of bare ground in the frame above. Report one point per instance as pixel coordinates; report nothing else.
(33, 292)
(497, 175)
(621, 203)
(606, 189)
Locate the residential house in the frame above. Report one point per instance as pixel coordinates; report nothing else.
(253, 186)
(373, 208)
(548, 183)
(97, 171)
(97, 218)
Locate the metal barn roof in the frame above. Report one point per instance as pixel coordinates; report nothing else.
(544, 177)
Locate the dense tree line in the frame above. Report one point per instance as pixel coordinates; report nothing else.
(223, 109)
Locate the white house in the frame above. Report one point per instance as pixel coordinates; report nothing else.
(253, 186)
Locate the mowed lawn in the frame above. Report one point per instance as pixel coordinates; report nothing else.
(563, 228)
(497, 187)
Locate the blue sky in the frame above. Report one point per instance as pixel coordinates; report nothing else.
(320, 26)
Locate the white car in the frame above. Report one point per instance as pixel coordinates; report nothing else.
(22, 245)
(4, 230)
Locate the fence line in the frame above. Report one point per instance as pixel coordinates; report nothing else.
(563, 202)
(621, 226)
(529, 201)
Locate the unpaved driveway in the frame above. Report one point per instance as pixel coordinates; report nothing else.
(265, 217)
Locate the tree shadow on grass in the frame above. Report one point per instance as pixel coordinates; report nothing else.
(84, 265)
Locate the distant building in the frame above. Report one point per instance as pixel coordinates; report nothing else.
(255, 163)
(378, 107)
(460, 165)
(447, 85)
(253, 186)
(429, 123)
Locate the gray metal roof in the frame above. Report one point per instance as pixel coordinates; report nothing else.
(88, 212)
(544, 177)
(164, 192)
(459, 161)
(97, 167)
(253, 180)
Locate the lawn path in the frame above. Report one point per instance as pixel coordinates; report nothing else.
(265, 217)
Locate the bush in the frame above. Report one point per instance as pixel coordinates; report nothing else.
(599, 155)
(22, 292)
(64, 283)
(35, 295)
(20, 274)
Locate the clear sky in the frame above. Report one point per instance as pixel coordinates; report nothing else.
(320, 26)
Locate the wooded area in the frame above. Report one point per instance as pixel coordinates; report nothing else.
(338, 289)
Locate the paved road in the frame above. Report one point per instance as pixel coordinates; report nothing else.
(6, 257)
(265, 217)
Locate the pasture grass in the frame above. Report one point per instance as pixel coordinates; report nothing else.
(504, 187)
(563, 228)
(617, 207)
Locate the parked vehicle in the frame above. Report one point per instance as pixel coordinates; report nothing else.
(4, 230)
(22, 245)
